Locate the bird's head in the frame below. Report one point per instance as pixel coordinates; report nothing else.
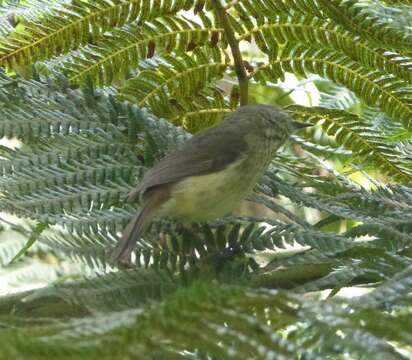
(267, 121)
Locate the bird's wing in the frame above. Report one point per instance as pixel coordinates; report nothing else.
(203, 154)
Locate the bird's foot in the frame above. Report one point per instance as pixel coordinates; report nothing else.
(122, 261)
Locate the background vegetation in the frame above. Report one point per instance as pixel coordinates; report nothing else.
(92, 93)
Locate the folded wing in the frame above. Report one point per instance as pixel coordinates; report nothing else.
(204, 153)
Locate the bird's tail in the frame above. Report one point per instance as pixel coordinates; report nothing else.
(122, 252)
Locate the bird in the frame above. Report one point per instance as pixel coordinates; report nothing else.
(210, 174)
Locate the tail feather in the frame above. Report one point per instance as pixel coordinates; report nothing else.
(123, 251)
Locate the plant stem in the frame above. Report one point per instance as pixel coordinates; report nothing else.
(237, 56)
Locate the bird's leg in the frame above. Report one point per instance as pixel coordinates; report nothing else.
(125, 262)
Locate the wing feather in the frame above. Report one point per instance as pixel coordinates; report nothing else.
(204, 153)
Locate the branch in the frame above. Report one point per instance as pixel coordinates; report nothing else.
(237, 56)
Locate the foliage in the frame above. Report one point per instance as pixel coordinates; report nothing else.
(95, 92)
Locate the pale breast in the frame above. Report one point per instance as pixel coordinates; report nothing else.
(206, 197)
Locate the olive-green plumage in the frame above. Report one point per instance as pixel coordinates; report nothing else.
(210, 174)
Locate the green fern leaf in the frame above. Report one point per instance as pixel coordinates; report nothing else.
(366, 144)
(171, 79)
(272, 8)
(69, 25)
(357, 19)
(121, 51)
(375, 87)
(308, 30)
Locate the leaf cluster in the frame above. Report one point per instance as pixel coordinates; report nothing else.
(95, 92)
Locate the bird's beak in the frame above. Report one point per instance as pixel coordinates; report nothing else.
(299, 125)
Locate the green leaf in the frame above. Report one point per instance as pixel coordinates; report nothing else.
(34, 236)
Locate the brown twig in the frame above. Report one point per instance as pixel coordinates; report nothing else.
(237, 56)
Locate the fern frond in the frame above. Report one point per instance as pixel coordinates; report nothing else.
(119, 52)
(27, 181)
(61, 150)
(206, 109)
(10, 244)
(398, 2)
(88, 248)
(367, 144)
(323, 202)
(113, 291)
(58, 199)
(83, 150)
(55, 112)
(382, 210)
(198, 111)
(30, 273)
(363, 266)
(326, 151)
(105, 292)
(240, 322)
(309, 30)
(357, 19)
(272, 8)
(324, 242)
(5, 26)
(390, 291)
(339, 277)
(63, 167)
(62, 163)
(192, 120)
(337, 97)
(372, 261)
(88, 237)
(375, 87)
(220, 321)
(59, 29)
(172, 78)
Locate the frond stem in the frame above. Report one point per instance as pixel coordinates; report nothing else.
(237, 56)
